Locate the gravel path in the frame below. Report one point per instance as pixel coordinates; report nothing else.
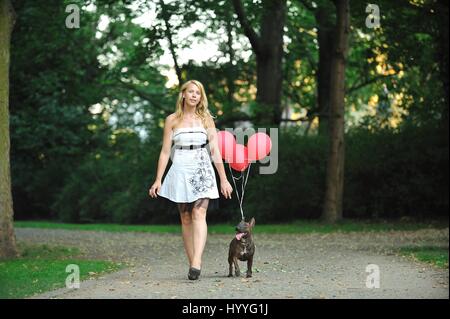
(285, 266)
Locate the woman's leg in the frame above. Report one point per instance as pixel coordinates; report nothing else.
(186, 230)
(200, 230)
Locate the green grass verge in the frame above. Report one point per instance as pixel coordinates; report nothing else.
(42, 268)
(297, 227)
(437, 256)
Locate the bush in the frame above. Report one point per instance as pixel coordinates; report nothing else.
(387, 174)
(111, 185)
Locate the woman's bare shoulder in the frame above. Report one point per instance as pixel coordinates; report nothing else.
(210, 122)
(171, 120)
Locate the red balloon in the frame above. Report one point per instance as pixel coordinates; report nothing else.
(240, 158)
(259, 145)
(227, 144)
(239, 167)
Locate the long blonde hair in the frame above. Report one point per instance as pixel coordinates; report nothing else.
(201, 109)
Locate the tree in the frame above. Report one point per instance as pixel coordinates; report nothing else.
(50, 121)
(325, 32)
(7, 238)
(420, 75)
(332, 210)
(268, 48)
(324, 16)
(442, 39)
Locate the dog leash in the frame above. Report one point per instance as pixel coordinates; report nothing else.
(243, 184)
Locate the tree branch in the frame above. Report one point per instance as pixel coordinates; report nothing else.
(367, 82)
(145, 96)
(165, 17)
(307, 5)
(248, 30)
(302, 119)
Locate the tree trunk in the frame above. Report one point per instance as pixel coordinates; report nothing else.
(332, 210)
(7, 238)
(268, 48)
(230, 74)
(166, 17)
(442, 9)
(325, 36)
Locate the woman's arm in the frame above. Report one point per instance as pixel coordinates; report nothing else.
(163, 156)
(225, 186)
(214, 148)
(165, 150)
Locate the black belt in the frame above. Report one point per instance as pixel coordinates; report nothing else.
(189, 147)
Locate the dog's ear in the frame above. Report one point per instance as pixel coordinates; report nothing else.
(252, 222)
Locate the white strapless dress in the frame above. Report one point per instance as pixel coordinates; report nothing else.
(191, 175)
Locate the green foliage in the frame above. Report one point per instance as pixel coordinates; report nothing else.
(396, 173)
(437, 256)
(387, 174)
(296, 189)
(419, 25)
(51, 66)
(111, 184)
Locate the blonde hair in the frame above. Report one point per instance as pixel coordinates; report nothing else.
(201, 109)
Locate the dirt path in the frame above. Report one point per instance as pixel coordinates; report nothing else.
(285, 266)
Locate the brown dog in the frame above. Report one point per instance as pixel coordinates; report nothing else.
(242, 248)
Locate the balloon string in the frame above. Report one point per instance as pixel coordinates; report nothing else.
(246, 178)
(243, 184)
(237, 193)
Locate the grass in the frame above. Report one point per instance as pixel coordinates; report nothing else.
(42, 268)
(437, 256)
(297, 227)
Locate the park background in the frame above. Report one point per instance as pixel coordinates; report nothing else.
(87, 105)
(358, 93)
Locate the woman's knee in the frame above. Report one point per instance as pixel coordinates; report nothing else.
(198, 214)
(186, 218)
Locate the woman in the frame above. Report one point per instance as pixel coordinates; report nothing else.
(190, 181)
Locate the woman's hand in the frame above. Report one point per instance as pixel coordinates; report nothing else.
(153, 191)
(226, 189)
